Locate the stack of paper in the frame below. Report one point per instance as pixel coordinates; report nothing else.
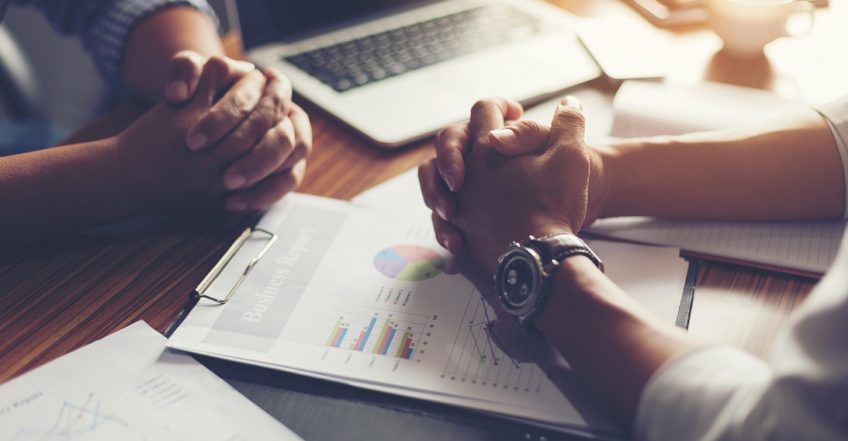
(127, 387)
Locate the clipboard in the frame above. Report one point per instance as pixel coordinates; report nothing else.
(684, 311)
(200, 291)
(263, 386)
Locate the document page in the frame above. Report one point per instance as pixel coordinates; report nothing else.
(368, 297)
(648, 108)
(364, 295)
(654, 275)
(644, 108)
(804, 246)
(128, 387)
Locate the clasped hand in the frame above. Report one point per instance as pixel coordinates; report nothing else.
(497, 179)
(228, 133)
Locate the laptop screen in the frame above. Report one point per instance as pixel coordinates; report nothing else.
(266, 21)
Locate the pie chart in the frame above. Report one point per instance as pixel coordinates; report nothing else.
(409, 263)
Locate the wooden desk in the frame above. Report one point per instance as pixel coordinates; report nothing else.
(60, 296)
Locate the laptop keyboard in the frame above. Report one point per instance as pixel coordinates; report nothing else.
(375, 57)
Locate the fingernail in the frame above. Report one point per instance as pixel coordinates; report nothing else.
(196, 141)
(573, 102)
(178, 91)
(441, 211)
(245, 65)
(504, 136)
(446, 243)
(449, 180)
(233, 182)
(236, 206)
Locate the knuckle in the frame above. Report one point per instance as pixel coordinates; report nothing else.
(530, 128)
(442, 136)
(274, 74)
(482, 139)
(570, 116)
(484, 105)
(183, 54)
(282, 85)
(217, 64)
(180, 64)
(217, 61)
(287, 137)
(422, 173)
(241, 102)
(306, 144)
(266, 113)
(297, 112)
(276, 106)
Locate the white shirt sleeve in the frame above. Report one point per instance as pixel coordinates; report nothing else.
(836, 114)
(800, 394)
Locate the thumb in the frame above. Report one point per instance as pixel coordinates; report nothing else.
(218, 75)
(569, 124)
(184, 73)
(520, 137)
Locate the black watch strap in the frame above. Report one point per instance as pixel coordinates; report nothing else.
(557, 247)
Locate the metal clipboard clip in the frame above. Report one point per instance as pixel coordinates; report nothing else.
(225, 260)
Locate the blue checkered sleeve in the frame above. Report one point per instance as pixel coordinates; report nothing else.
(104, 26)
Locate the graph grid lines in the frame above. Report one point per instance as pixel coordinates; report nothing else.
(479, 356)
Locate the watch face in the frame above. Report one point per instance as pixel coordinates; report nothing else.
(517, 278)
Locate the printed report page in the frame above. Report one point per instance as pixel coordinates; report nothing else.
(368, 297)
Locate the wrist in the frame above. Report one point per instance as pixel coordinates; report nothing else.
(112, 178)
(133, 176)
(571, 291)
(604, 161)
(541, 226)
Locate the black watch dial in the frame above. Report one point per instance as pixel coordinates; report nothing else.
(517, 278)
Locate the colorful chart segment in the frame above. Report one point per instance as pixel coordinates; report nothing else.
(338, 334)
(380, 336)
(409, 263)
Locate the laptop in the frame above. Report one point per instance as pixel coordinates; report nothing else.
(397, 71)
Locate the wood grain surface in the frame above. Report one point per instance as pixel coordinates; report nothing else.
(58, 296)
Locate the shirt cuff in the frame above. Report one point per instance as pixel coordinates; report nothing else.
(698, 392)
(108, 36)
(836, 115)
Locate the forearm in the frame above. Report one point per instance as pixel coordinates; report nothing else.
(611, 341)
(59, 190)
(778, 171)
(158, 38)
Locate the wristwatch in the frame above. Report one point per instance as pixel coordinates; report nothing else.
(523, 277)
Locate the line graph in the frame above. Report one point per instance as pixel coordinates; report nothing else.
(485, 334)
(72, 421)
(493, 353)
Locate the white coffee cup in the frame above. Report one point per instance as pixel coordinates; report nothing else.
(746, 26)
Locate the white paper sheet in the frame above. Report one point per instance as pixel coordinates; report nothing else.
(645, 108)
(366, 296)
(329, 300)
(128, 387)
(654, 276)
(805, 246)
(650, 108)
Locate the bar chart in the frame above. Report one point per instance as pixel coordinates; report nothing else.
(382, 333)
